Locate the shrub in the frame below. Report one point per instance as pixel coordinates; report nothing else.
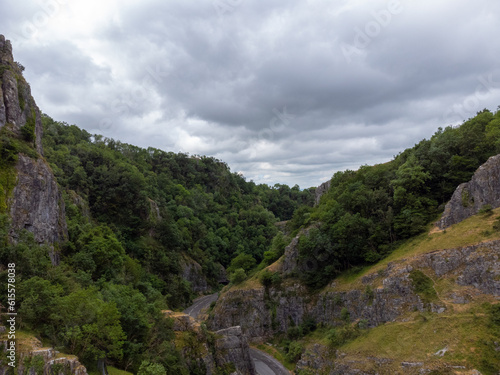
(238, 276)
(341, 335)
(345, 315)
(486, 210)
(423, 286)
(295, 350)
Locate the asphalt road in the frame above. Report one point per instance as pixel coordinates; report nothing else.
(267, 365)
(199, 304)
(264, 363)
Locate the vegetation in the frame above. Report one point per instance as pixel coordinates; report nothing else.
(133, 215)
(367, 213)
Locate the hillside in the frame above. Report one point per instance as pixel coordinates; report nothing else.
(104, 235)
(370, 283)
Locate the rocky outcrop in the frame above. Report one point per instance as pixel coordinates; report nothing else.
(483, 189)
(36, 203)
(17, 106)
(225, 349)
(383, 297)
(320, 190)
(322, 360)
(51, 361)
(192, 272)
(232, 347)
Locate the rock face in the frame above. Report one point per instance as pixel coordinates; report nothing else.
(470, 197)
(35, 203)
(320, 190)
(263, 312)
(228, 348)
(17, 106)
(51, 358)
(192, 272)
(232, 347)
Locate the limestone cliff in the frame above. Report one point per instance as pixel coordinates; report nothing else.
(17, 106)
(34, 359)
(263, 312)
(225, 349)
(35, 203)
(192, 272)
(470, 197)
(320, 190)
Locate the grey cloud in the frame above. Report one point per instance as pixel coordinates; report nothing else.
(188, 76)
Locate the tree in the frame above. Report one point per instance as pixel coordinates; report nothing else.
(151, 368)
(238, 276)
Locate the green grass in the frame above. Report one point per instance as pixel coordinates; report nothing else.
(419, 339)
(474, 230)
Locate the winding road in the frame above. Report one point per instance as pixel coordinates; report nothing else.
(264, 363)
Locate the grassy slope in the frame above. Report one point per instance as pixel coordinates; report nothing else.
(462, 329)
(474, 230)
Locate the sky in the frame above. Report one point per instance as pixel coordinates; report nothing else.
(284, 91)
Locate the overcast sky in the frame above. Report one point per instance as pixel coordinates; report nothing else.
(284, 91)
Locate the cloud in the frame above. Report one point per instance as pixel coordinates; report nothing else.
(283, 91)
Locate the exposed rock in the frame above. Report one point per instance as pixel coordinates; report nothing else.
(262, 313)
(192, 272)
(69, 364)
(470, 197)
(17, 106)
(154, 211)
(36, 203)
(318, 360)
(320, 190)
(291, 257)
(232, 347)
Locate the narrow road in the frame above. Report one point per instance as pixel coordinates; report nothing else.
(264, 363)
(267, 365)
(201, 303)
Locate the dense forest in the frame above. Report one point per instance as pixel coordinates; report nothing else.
(368, 212)
(134, 217)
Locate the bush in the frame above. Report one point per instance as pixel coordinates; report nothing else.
(295, 350)
(238, 276)
(268, 278)
(345, 315)
(341, 335)
(423, 285)
(148, 368)
(486, 210)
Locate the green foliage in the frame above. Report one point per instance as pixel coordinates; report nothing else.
(238, 276)
(148, 368)
(28, 129)
(243, 261)
(486, 210)
(366, 213)
(294, 352)
(370, 294)
(423, 286)
(268, 278)
(339, 336)
(466, 199)
(345, 315)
